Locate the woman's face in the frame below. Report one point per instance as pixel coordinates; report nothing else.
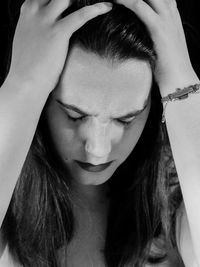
(92, 114)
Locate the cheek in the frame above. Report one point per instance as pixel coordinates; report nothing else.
(64, 141)
(128, 142)
(63, 136)
(131, 138)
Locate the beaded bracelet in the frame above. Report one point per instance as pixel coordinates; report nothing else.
(179, 94)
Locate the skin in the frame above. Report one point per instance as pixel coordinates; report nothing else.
(174, 70)
(162, 18)
(43, 34)
(106, 92)
(99, 137)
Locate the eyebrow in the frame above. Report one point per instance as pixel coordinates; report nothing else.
(84, 113)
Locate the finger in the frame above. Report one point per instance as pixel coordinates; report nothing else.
(162, 6)
(40, 2)
(143, 10)
(56, 7)
(77, 19)
(29, 5)
(34, 4)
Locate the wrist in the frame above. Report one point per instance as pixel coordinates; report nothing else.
(184, 110)
(15, 83)
(180, 94)
(178, 81)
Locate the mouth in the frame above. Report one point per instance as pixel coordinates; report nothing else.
(93, 168)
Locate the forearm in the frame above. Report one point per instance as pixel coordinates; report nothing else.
(183, 126)
(20, 109)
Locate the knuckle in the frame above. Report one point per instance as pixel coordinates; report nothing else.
(132, 4)
(24, 6)
(170, 3)
(28, 6)
(174, 4)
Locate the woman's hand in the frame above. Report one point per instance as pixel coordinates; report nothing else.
(41, 40)
(162, 18)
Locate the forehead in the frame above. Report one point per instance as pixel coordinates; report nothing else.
(94, 84)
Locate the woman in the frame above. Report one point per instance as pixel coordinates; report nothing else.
(88, 186)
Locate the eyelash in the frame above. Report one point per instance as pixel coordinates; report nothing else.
(125, 122)
(76, 119)
(81, 118)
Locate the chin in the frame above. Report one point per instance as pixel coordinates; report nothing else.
(93, 179)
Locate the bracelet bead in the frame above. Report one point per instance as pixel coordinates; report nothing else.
(179, 94)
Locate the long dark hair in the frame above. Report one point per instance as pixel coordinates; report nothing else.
(144, 191)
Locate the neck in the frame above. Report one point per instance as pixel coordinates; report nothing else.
(90, 197)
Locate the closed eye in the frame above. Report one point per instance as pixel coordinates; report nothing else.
(75, 118)
(80, 118)
(127, 121)
(73, 115)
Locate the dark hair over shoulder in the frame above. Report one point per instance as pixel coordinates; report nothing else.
(144, 194)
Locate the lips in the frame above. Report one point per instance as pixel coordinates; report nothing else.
(93, 168)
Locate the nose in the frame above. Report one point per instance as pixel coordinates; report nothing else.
(98, 141)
